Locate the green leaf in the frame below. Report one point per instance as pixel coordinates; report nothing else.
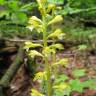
(91, 83)
(27, 7)
(13, 5)
(19, 17)
(56, 1)
(79, 72)
(5, 13)
(76, 85)
(2, 2)
(82, 47)
(65, 92)
(58, 93)
(61, 78)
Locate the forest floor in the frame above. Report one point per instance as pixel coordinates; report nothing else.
(22, 82)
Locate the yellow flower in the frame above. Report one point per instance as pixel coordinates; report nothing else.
(57, 19)
(57, 34)
(30, 27)
(50, 7)
(34, 19)
(57, 46)
(29, 45)
(34, 53)
(63, 62)
(42, 10)
(41, 1)
(41, 7)
(40, 75)
(34, 92)
(59, 8)
(47, 51)
(36, 23)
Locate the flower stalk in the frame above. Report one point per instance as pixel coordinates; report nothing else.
(47, 65)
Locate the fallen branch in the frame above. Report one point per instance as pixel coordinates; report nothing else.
(24, 40)
(11, 72)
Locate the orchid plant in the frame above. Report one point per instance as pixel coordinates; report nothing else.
(48, 20)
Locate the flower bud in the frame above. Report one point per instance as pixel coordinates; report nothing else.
(57, 19)
(50, 7)
(42, 10)
(34, 18)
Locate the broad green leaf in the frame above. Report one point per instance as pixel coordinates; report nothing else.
(58, 93)
(91, 83)
(34, 53)
(79, 72)
(65, 92)
(27, 7)
(2, 2)
(76, 85)
(13, 5)
(56, 1)
(5, 13)
(19, 17)
(68, 10)
(61, 78)
(82, 47)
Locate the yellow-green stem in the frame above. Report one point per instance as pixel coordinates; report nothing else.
(54, 60)
(47, 66)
